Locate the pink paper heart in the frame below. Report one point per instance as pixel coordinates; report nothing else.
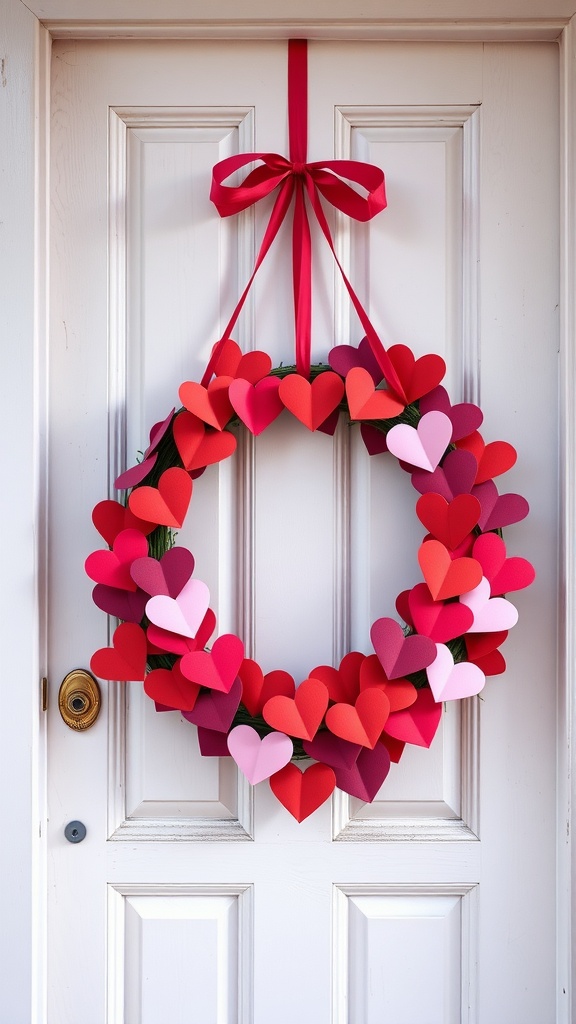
(167, 576)
(177, 644)
(424, 445)
(257, 758)
(455, 476)
(258, 405)
(491, 614)
(216, 669)
(183, 614)
(215, 710)
(453, 682)
(400, 655)
(499, 510)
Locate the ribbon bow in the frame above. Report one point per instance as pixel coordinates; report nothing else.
(295, 179)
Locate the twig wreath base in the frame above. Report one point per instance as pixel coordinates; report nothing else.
(350, 721)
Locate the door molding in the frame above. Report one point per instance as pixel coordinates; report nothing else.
(25, 44)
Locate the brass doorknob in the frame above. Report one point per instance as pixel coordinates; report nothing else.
(79, 699)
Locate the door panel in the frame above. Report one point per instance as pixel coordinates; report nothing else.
(200, 898)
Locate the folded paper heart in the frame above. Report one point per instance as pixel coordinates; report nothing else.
(505, 574)
(214, 709)
(440, 621)
(199, 446)
(400, 692)
(110, 518)
(257, 405)
(453, 682)
(210, 404)
(365, 777)
(374, 439)
(126, 659)
(112, 568)
(253, 366)
(343, 358)
(448, 521)
(399, 655)
(331, 749)
(343, 683)
(301, 715)
(166, 504)
(302, 793)
(212, 743)
(258, 688)
(417, 376)
(447, 577)
(362, 723)
(424, 445)
(171, 688)
(167, 575)
(183, 614)
(496, 458)
(417, 724)
(455, 476)
(311, 403)
(258, 758)
(178, 644)
(365, 401)
(127, 605)
(499, 510)
(465, 417)
(132, 477)
(491, 614)
(216, 669)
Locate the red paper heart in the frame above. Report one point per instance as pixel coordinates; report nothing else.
(492, 664)
(446, 577)
(441, 622)
(394, 747)
(210, 404)
(126, 660)
(256, 406)
(171, 688)
(480, 644)
(363, 723)
(110, 518)
(497, 458)
(302, 793)
(301, 715)
(400, 692)
(365, 402)
(216, 669)
(257, 688)
(311, 403)
(343, 683)
(166, 504)
(199, 447)
(505, 574)
(417, 376)
(253, 366)
(418, 723)
(449, 522)
(229, 358)
(113, 567)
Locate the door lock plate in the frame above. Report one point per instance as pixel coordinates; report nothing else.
(79, 699)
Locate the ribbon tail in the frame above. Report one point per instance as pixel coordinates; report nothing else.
(302, 277)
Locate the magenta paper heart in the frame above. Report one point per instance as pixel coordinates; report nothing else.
(215, 710)
(400, 655)
(453, 682)
(499, 510)
(374, 439)
(342, 358)
(364, 778)
(436, 619)
(257, 405)
(491, 614)
(127, 605)
(212, 743)
(113, 567)
(181, 644)
(455, 476)
(418, 723)
(167, 576)
(465, 417)
(183, 614)
(257, 758)
(136, 474)
(332, 750)
(217, 669)
(423, 445)
(505, 574)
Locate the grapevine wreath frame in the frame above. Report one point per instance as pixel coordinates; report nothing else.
(350, 721)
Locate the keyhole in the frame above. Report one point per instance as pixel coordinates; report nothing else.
(78, 703)
(74, 833)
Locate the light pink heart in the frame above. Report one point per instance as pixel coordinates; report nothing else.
(453, 682)
(259, 758)
(491, 614)
(424, 445)
(183, 614)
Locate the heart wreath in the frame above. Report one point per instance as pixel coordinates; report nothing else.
(350, 721)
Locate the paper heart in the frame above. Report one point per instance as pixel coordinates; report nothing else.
(403, 607)
(216, 669)
(497, 458)
(491, 614)
(448, 521)
(492, 664)
(257, 758)
(394, 747)
(228, 358)
(253, 366)
(480, 644)
(212, 743)
(365, 777)
(110, 518)
(417, 376)
(127, 605)
(182, 614)
(342, 359)
(133, 476)
(126, 659)
(302, 793)
(439, 621)
(447, 577)
(215, 710)
(311, 403)
(365, 402)
(374, 439)
(343, 683)
(499, 510)
(199, 446)
(331, 750)
(167, 575)
(417, 724)
(166, 504)
(210, 404)
(257, 688)
(176, 644)
(362, 723)
(453, 682)
(258, 405)
(113, 567)
(400, 655)
(505, 574)
(455, 476)
(465, 417)
(400, 692)
(330, 423)
(171, 688)
(423, 445)
(301, 715)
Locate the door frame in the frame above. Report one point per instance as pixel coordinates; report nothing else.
(26, 34)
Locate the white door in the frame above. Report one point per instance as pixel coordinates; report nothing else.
(194, 897)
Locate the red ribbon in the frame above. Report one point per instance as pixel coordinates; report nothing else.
(295, 179)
